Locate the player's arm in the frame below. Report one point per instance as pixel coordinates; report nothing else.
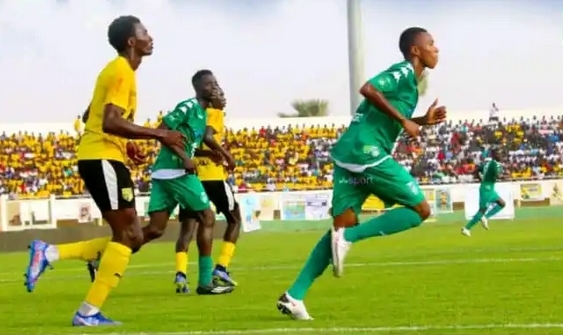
(477, 173)
(179, 151)
(375, 88)
(86, 114)
(210, 141)
(115, 105)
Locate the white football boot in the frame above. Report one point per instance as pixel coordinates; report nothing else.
(294, 308)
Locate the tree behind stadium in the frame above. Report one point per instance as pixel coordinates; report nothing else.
(308, 108)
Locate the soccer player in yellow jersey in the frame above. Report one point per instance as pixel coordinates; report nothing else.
(211, 171)
(101, 155)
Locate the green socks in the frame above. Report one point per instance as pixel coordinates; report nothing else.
(392, 222)
(493, 211)
(318, 261)
(205, 270)
(490, 213)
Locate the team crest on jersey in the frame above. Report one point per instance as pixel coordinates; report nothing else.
(127, 194)
(203, 197)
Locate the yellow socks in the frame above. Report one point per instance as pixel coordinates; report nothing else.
(182, 262)
(85, 250)
(227, 251)
(113, 264)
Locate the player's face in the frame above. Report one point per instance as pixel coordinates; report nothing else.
(207, 87)
(218, 100)
(426, 50)
(143, 42)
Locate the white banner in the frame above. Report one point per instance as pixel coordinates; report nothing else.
(503, 190)
(317, 206)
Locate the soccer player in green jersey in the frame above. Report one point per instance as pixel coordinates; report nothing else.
(363, 165)
(174, 181)
(490, 203)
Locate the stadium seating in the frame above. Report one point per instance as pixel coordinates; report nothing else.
(296, 157)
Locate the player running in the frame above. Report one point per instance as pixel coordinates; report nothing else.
(211, 171)
(363, 165)
(102, 153)
(488, 173)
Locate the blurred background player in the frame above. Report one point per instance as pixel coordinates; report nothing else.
(211, 171)
(488, 173)
(102, 154)
(363, 166)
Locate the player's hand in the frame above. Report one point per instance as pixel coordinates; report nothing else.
(435, 114)
(171, 138)
(231, 164)
(135, 153)
(411, 127)
(189, 166)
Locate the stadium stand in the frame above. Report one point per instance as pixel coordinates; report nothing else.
(292, 154)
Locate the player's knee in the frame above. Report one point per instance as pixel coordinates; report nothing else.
(501, 203)
(153, 232)
(128, 230)
(207, 218)
(423, 210)
(234, 218)
(346, 219)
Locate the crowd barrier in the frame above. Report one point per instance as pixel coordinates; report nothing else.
(17, 215)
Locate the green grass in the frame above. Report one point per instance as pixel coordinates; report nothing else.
(426, 281)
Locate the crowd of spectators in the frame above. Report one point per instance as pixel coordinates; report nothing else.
(292, 157)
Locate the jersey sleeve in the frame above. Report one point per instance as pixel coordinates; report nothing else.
(119, 87)
(215, 119)
(390, 80)
(176, 117)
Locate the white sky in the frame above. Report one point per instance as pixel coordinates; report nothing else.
(267, 53)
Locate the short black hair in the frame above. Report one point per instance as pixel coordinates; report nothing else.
(200, 74)
(121, 30)
(406, 41)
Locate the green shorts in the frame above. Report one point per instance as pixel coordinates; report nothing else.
(186, 191)
(389, 181)
(487, 195)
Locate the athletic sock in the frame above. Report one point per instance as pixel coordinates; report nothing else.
(476, 218)
(84, 250)
(227, 251)
(112, 266)
(318, 261)
(182, 262)
(205, 270)
(493, 211)
(392, 222)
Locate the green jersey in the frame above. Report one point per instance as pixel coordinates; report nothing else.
(372, 134)
(190, 119)
(490, 171)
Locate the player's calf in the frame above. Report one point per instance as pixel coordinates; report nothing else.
(392, 222)
(230, 238)
(187, 230)
(206, 285)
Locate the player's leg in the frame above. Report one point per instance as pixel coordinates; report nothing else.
(485, 198)
(111, 187)
(392, 183)
(222, 196)
(160, 207)
(191, 195)
(498, 205)
(188, 226)
(347, 200)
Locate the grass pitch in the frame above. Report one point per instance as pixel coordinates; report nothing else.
(430, 280)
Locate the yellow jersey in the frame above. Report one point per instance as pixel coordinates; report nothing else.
(206, 168)
(115, 85)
